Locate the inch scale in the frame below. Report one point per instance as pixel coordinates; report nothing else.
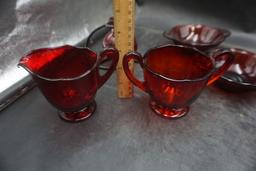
(124, 41)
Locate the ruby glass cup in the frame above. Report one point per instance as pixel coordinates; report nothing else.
(175, 75)
(69, 77)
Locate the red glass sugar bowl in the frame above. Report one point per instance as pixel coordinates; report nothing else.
(175, 75)
(69, 77)
(200, 36)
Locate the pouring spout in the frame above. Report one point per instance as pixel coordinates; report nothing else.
(36, 60)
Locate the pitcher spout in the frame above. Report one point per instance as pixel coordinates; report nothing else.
(38, 60)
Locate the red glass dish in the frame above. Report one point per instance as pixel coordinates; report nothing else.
(241, 75)
(175, 75)
(69, 77)
(196, 35)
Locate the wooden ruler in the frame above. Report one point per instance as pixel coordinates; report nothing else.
(124, 41)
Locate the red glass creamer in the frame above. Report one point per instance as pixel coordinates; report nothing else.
(69, 77)
(175, 75)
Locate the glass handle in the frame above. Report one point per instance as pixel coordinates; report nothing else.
(223, 59)
(137, 57)
(110, 53)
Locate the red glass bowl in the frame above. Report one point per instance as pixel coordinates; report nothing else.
(241, 75)
(200, 36)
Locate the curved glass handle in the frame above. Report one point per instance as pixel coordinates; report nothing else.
(223, 59)
(127, 58)
(110, 53)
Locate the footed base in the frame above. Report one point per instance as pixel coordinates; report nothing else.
(80, 115)
(169, 113)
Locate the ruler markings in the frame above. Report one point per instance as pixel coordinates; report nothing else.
(124, 35)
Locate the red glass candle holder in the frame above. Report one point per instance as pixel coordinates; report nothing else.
(69, 77)
(199, 36)
(175, 75)
(109, 38)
